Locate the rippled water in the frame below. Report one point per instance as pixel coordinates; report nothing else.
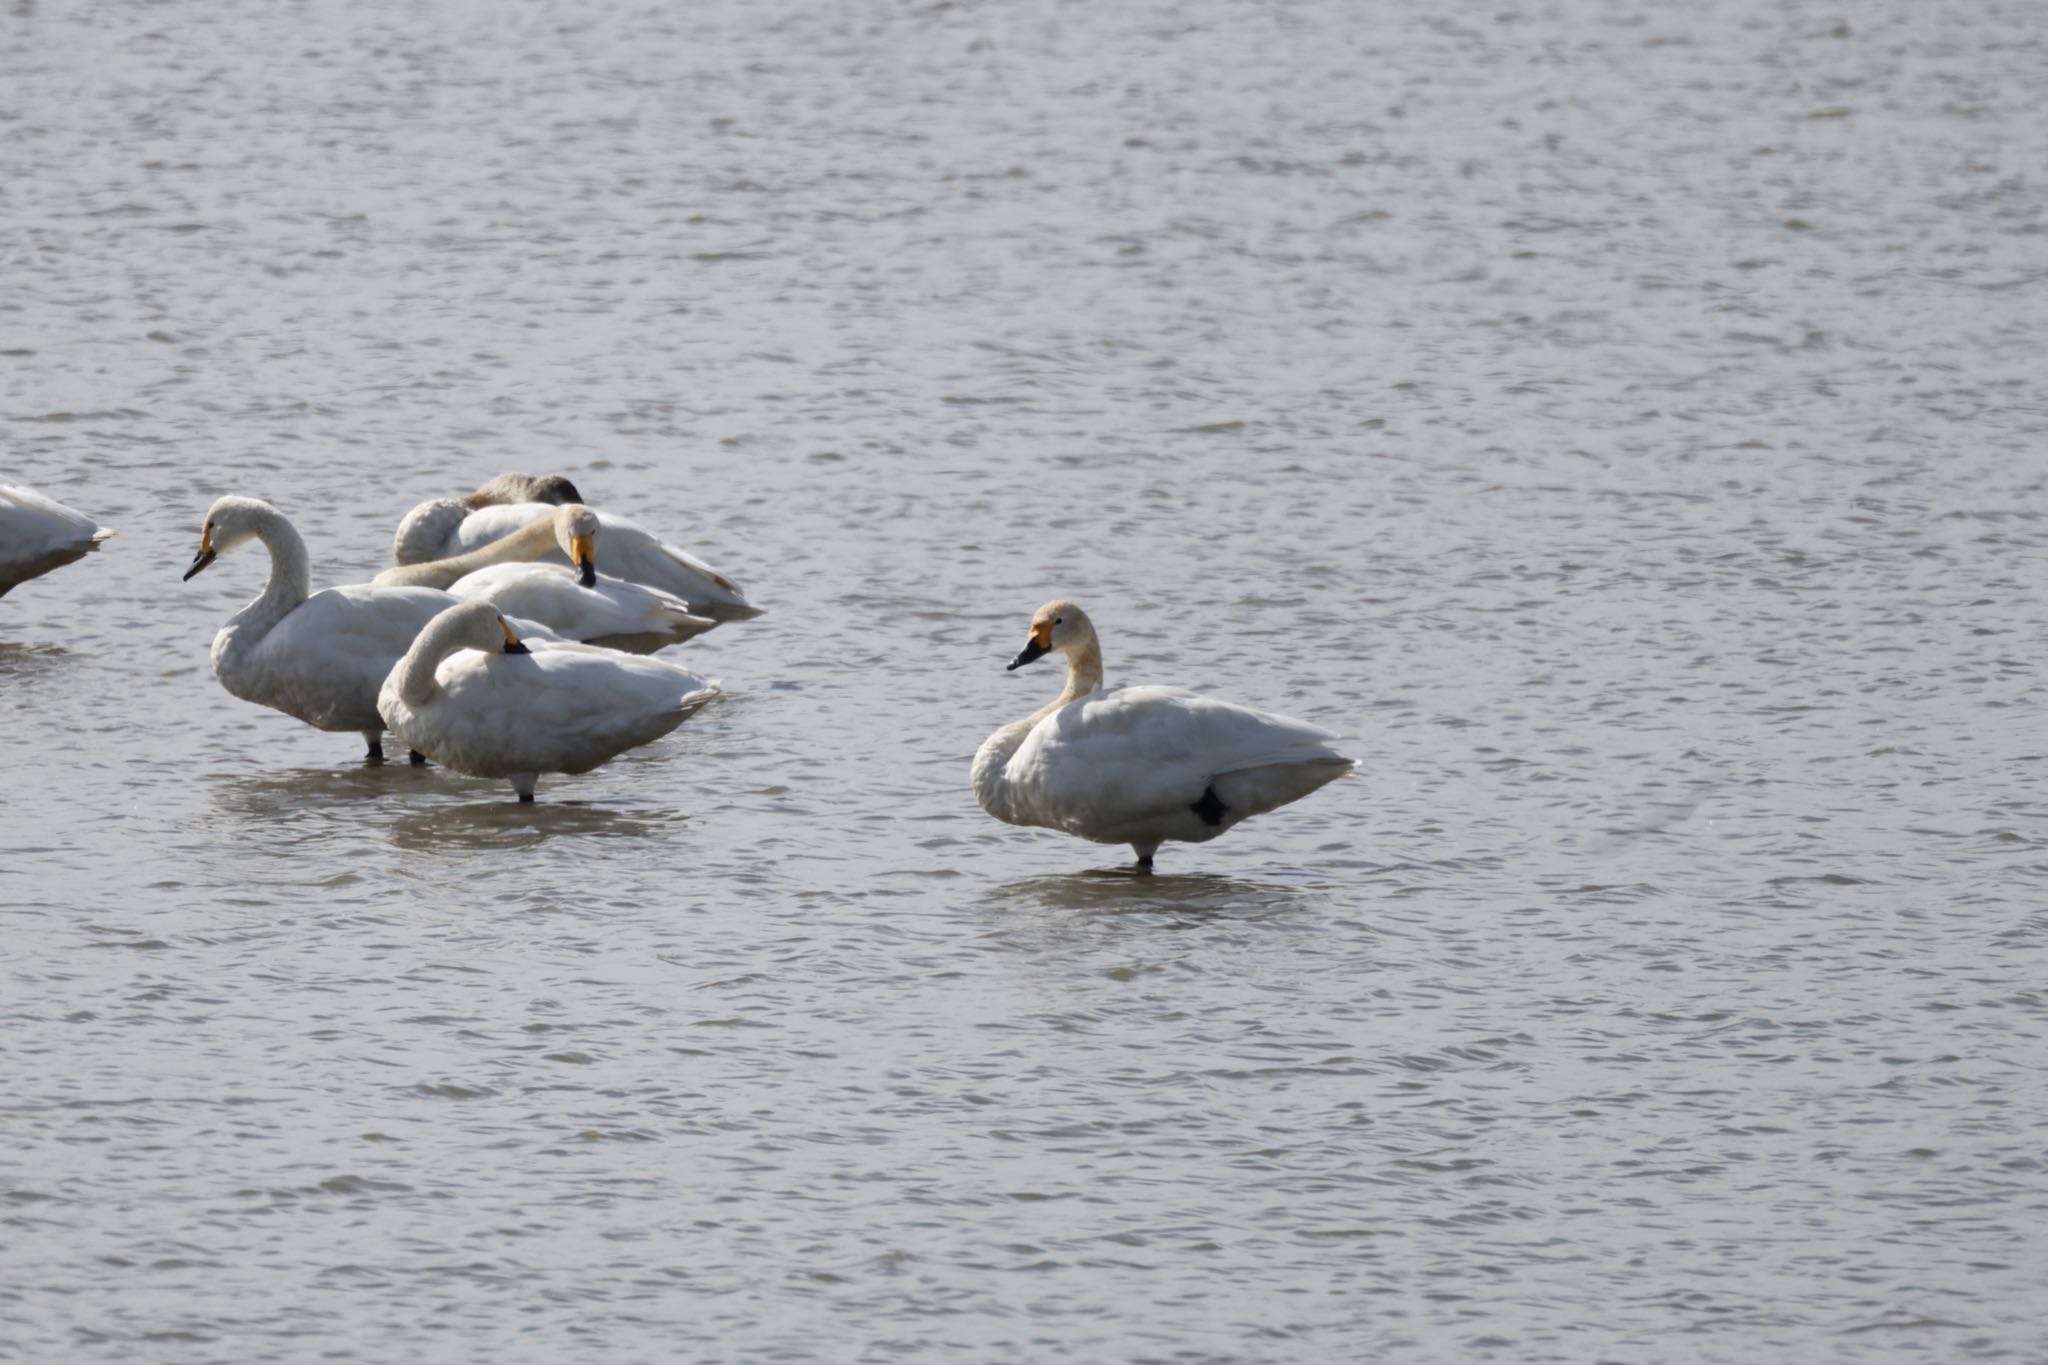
(1626, 424)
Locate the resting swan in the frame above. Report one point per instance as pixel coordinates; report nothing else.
(38, 534)
(426, 529)
(631, 552)
(1140, 765)
(318, 657)
(471, 696)
(578, 603)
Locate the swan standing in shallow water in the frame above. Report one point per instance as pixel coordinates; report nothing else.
(318, 657)
(576, 602)
(472, 697)
(631, 553)
(38, 534)
(1141, 765)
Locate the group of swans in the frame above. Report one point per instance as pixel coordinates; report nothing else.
(38, 534)
(496, 647)
(393, 653)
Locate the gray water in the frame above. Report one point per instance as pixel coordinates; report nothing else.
(1624, 423)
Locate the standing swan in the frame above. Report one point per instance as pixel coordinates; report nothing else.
(1141, 765)
(457, 697)
(578, 603)
(38, 535)
(316, 656)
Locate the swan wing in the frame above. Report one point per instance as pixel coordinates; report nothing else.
(38, 534)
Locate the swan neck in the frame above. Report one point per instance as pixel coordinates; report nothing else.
(1084, 674)
(528, 542)
(291, 576)
(415, 672)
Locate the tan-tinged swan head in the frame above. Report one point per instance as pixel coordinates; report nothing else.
(1058, 627)
(511, 488)
(576, 528)
(231, 521)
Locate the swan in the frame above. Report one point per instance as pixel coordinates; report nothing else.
(631, 553)
(318, 657)
(470, 695)
(1141, 765)
(38, 534)
(578, 603)
(425, 530)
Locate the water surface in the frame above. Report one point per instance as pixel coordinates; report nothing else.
(1625, 425)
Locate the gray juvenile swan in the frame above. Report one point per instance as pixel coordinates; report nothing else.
(424, 531)
(1141, 765)
(470, 695)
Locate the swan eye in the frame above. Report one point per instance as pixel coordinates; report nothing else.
(1055, 620)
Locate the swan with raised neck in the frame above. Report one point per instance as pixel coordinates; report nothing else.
(319, 657)
(1058, 627)
(1140, 765)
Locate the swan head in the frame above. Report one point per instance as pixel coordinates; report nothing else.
(1056, 628)
(473, 625)
(510, 488)
(576, 528)
(231, 521)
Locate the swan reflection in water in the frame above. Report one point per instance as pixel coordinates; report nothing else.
(500, 824)
(1187, 897)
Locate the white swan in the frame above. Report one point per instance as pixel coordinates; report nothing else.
(631, 552)
(578, 603)
(470, 695)
(318, 657)
(38, 534)
(425, 532)
(1141, 765)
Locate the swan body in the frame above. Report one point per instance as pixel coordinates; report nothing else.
(1141, 765)
(578, 603)
(426, 529)
(319, 657)
(471, 696)
(38, 534)
(631, 553)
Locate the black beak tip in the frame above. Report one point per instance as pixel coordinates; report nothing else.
(1032, 651)
(199, 561)
(587, 573)
(516, 647)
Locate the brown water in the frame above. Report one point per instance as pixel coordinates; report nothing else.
(1626, 424)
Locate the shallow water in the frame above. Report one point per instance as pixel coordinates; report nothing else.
(1625, 425)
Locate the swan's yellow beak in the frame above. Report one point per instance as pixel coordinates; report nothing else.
(205, 556)
(512, 645)
(583, 550)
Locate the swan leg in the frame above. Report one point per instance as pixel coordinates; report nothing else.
(375, 739)
(1144, 852)
(523, 784)
(418, 759)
